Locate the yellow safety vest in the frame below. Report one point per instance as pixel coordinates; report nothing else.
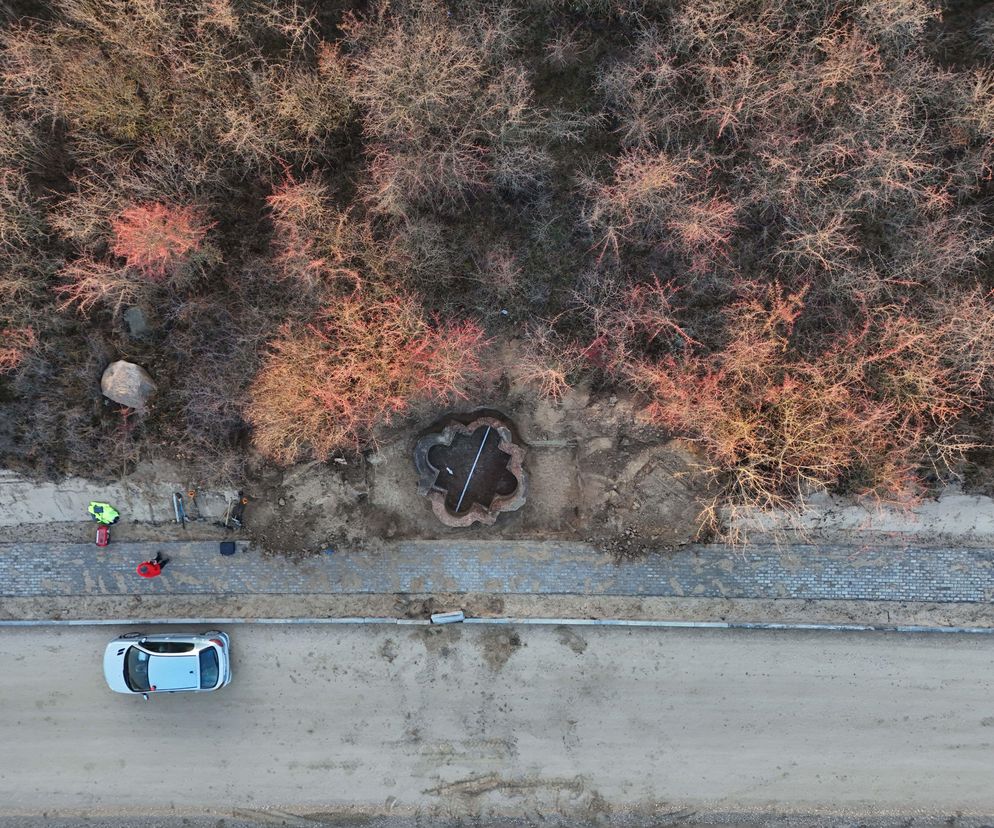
(103, 512)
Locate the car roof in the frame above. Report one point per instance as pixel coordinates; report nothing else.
(174, 672)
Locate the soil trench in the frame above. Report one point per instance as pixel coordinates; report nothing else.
(472, 470)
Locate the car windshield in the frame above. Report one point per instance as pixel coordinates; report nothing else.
(136, 670)
(168, 647)
(209, 668)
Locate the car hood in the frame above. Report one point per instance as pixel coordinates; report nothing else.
(114, 666)
(172, 672)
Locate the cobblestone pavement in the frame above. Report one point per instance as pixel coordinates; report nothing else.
(509, 567)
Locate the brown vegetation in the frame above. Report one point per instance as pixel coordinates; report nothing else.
(154, 238)
(771, 221)
(780, 421)
(324, 387)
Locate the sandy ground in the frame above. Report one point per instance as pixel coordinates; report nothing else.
(249, 818)
(144, 497)
(594, 473)
(475, 723)
(624, 496)
(951, 516)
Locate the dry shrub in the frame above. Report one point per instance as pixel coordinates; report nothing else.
(218, 347)
(290, 111)
(548, 361)
(636, 203)
(964, 323)
(818, 242)
(325, 250)
(863, 379)
(445, 112)
(301, 214)
(897, 23)
(423, 74)
(427, 110)
(20, 223)
(88, 283)
(65, 75)
(501, 274)
(27, 258)
(643, 90)
(15, 344)
(419, 254)
(326, 386)
(564, 49)
(779, 420)
(703, 229)
(661, 201)
(632, 319)
(941, 250)
(314, 243)
(155, 238)
(767, 116)
(203, 75)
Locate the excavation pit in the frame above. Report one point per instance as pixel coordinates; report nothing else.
(471, 471)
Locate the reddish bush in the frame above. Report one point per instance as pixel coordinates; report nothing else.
(777, 421)
(154, 237)
(324, 387)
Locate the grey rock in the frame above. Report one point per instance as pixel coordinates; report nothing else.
(136, 321)
(127, 384)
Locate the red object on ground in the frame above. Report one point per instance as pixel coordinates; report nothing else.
(149, 569)
(103, 535)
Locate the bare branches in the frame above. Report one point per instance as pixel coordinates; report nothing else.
(446, 115)
(88, 283)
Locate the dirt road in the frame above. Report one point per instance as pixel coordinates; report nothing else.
(471, 720)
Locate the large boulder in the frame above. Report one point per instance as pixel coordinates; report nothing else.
(127, 384)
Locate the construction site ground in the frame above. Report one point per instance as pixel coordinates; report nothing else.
(595, 474)
(606, 532)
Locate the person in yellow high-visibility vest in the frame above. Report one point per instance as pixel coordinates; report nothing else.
(103, 512)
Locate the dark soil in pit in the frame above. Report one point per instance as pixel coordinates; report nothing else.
(490, 477)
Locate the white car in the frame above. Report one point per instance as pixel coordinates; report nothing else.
(139, 664)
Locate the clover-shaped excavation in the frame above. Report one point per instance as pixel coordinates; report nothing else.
(471, 472)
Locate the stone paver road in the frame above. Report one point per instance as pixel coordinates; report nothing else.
(510, 567)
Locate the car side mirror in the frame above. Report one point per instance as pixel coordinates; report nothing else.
(145, 696)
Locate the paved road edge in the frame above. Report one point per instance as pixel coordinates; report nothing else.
(482, 605)
(558, 622)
